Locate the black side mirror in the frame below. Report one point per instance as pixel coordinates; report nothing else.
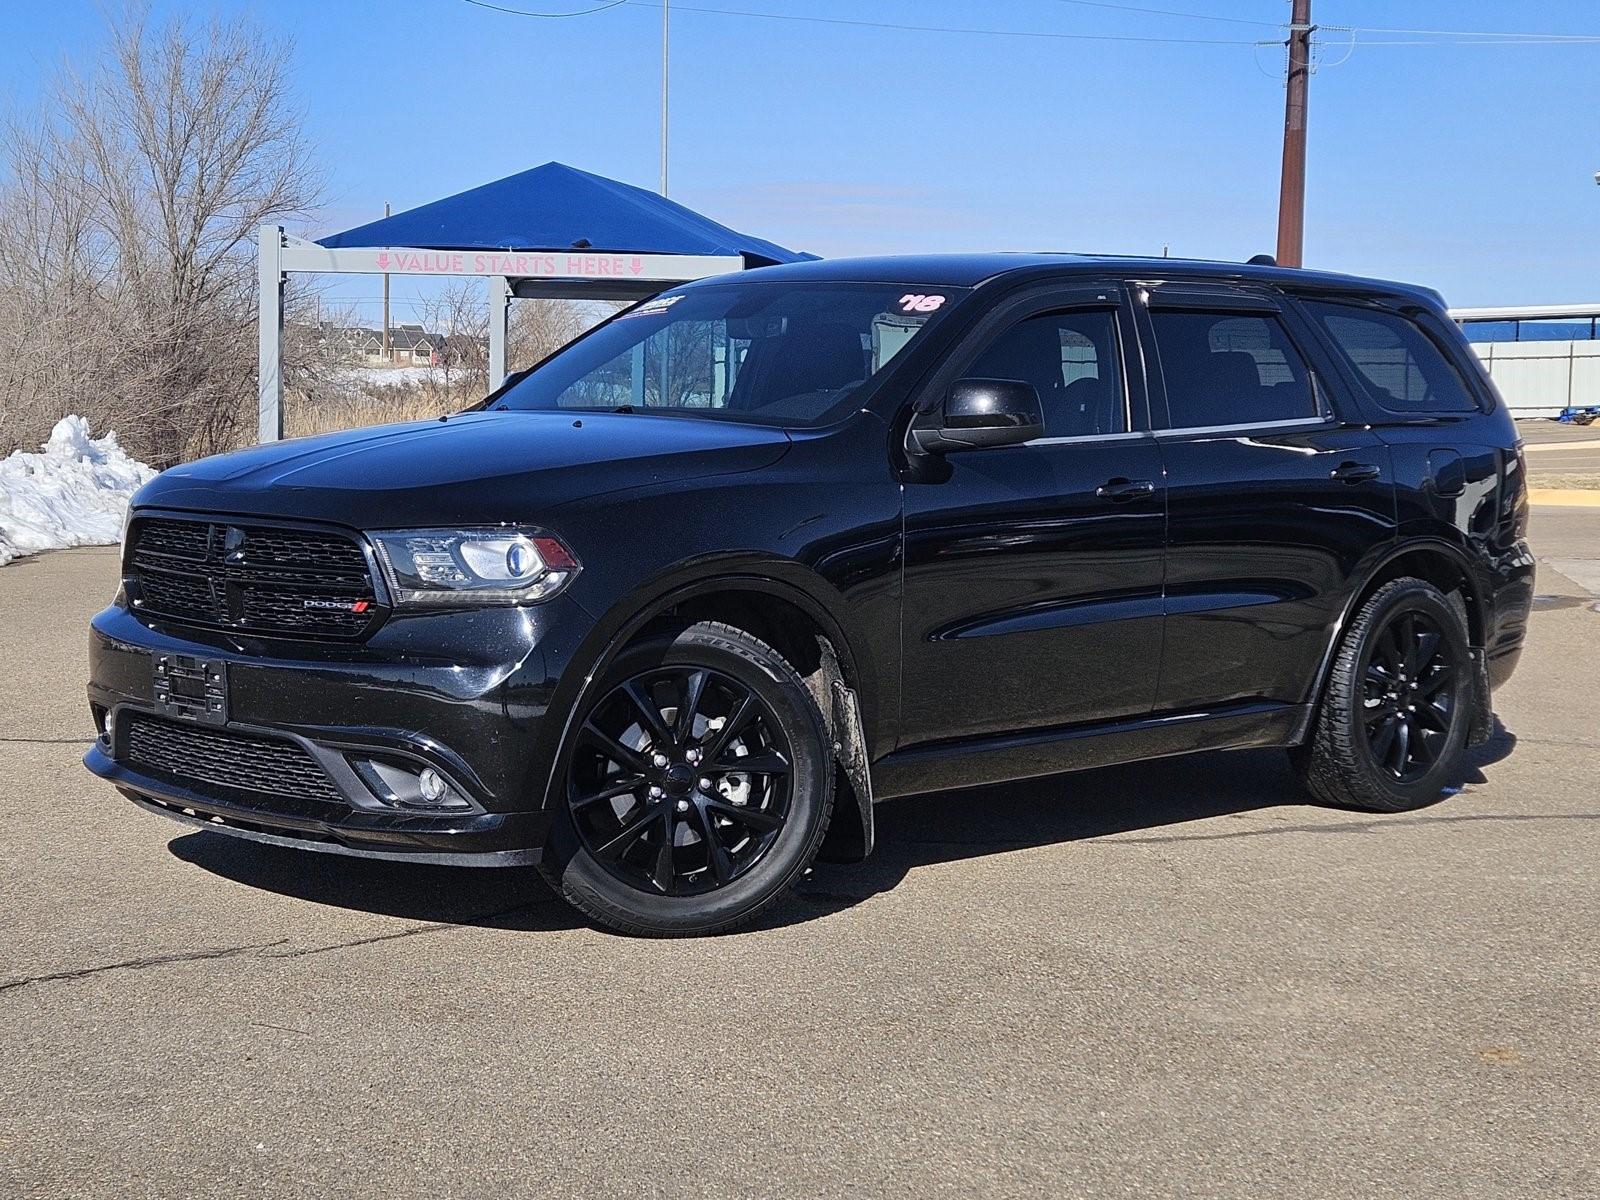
(980, 413)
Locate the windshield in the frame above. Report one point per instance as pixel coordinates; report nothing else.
(771, 353)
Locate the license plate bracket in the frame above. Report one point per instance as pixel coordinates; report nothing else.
(192, 689)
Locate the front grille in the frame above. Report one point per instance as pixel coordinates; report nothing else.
(218, 762)
(253, 578)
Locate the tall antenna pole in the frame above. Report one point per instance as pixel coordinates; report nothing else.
(1292, 185)
(386, 347)
(665, 23)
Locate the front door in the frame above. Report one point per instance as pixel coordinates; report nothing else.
(1033, 573)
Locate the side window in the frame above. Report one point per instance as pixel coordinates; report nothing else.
(1071, 358)
(1404, 370)
(1230, 369)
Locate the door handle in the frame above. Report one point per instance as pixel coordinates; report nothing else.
(1120, 490)
(1355, 472)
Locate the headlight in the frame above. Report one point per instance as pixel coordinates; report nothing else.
(120, 599)
(435, 568)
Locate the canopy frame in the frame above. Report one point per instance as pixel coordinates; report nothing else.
(576, 273)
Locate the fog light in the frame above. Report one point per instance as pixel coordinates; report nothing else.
(408, 786)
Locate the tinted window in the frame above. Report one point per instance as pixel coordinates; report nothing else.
(1230, 369)
(1402, 367)
(1071, 360)
(789, 354)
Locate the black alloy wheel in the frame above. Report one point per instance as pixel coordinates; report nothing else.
(681, 780)
(696, 787)
(1391, 725)
(1411, 682)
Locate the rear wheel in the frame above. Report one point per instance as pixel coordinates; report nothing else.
(697, 789)
(1397, 708)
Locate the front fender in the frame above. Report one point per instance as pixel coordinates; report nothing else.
(755, 574)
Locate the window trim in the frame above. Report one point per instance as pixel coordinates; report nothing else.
(1061, 296)
(1075, 438)
(1323, 422)
(1169, 297)
(1266, 307)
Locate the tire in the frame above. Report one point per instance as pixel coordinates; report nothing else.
(1395, 714)
(641, 845)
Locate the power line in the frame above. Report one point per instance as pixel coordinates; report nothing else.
(1172, 12)
(1469, 34)
(1565, 40)
(518, 12)
(1374, 35)
(1017, 33)
(1495, 37)
(893, 25)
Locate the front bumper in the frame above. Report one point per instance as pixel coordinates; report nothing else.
(465, 693)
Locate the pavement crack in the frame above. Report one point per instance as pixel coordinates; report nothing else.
(414, 931)
(139, 964)
(265, 950)
(1350, 827)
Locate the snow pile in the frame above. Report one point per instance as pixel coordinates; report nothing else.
(73, 493)
(394, 376)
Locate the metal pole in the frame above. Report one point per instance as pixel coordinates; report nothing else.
(1292, 183)
(269, 335)
(665, 21)
(499, 313)
(386, 347)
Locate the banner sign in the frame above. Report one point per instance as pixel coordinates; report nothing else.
(300, 255)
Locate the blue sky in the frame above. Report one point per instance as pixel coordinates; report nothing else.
(1466, 167)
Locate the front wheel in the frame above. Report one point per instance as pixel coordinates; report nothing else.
(1396, 711)
(697, 788)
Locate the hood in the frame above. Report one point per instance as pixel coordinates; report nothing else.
(476, 468)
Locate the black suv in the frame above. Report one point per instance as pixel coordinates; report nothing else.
(668, 612)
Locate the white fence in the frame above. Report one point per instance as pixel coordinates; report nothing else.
(1543, 379)
(1540, 373)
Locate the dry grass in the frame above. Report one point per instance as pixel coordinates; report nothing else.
(303, 417)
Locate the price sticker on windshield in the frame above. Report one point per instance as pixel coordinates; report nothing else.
(917, 302)
(651, 308)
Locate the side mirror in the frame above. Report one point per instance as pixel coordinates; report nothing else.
(982, 413)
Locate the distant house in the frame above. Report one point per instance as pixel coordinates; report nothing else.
(410, 345)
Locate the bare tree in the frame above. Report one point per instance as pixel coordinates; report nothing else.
(459, 313)
(163, 159)
(538, 328)
(51, 337)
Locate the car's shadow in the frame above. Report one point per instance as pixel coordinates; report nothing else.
(912, 832)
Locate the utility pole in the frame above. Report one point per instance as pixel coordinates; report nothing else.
(386, 355)
(665, 21)
(1292, 185)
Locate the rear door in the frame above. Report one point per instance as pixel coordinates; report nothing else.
(1033, 573)
(1275, 496)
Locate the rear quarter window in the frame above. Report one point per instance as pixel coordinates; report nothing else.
(1399, 363)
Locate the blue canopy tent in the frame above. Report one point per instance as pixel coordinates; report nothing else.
(558, 208)
(553, 231)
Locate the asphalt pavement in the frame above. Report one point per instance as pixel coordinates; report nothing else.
(1172, 979)
(1561, 455)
